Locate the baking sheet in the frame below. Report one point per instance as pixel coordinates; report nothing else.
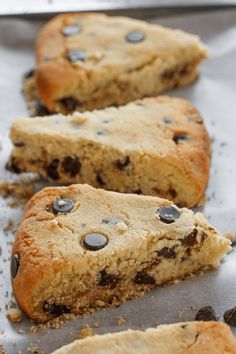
(214, 95)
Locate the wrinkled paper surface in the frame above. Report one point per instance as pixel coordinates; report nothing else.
(214, 95)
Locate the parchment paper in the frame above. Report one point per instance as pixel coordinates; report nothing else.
(214, 95)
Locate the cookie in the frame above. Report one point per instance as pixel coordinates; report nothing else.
(180, 338)
(91, 61)
(155, 146)
(79, 248)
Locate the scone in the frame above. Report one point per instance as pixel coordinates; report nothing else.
(90, 61)
(180, 338)
(155, 146)
(79, 248)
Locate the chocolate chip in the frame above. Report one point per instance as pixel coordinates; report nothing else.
(138, 191)
(108, 279)
(143, 278)
(15, 263)
(40, 109)
(122, 163)
(180, 137)
(100, 180)
(69, 103)
(100, 133)
(76, 55)
(12, 166)
(71, 165)
(29, 74)
(95, 241)
(56, 310)
(135, 37)
(206, 313)
(172, 193)
(20, 144)
(167, 120)
(168, 214)
(71, 30)
(52, 169)
(166, 252)
(168, 74)
(190, 239)
(62, 205)
(230, 317)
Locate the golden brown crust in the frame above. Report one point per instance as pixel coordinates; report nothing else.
(181, 338)
(114, 71)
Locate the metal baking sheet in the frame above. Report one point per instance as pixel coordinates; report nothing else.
(214, 95)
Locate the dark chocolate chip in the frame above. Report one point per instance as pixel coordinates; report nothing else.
(95, 241)
(62, 205)
(100, 180)
(71, 165)
(167, 120)
(100, 133)
(12, 166)
(138, 191)
(76, 55)
(143, 278)
(29, 74)
(180, 137)
(71, 30)
(190, 239)
(206, 313)
(230, 317)
(70, 103)
(183, 326)
(20, 144)
(135, 37)
(168, 74)
(108, 279)
(168, 214)
(122, 163)
(166, 252)
(106, 121)
(40, 109)
(172, 193)
(15, 263)
(55, 309)
(52, 169)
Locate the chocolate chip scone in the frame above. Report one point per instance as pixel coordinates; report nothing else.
(180, 338)
(155, 146)
(79, 248)
(89, 61)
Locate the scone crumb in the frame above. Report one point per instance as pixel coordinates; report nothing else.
(78, 118)
(14, 315)
(2, 350)
(230, 236)
(34, 350)
(9, 226)
(86, 331)
(19, 190)
(120, 321)
(95, 324)
(33, 329)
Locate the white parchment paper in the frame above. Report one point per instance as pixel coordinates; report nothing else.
(214, 94)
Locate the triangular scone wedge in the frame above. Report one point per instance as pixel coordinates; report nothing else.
(155, 146)
(110, 61)
(79, 248)
(179, 338)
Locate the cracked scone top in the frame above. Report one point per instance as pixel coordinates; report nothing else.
(179, 338)
(89, 61)
(79, 248)
(155, 146)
